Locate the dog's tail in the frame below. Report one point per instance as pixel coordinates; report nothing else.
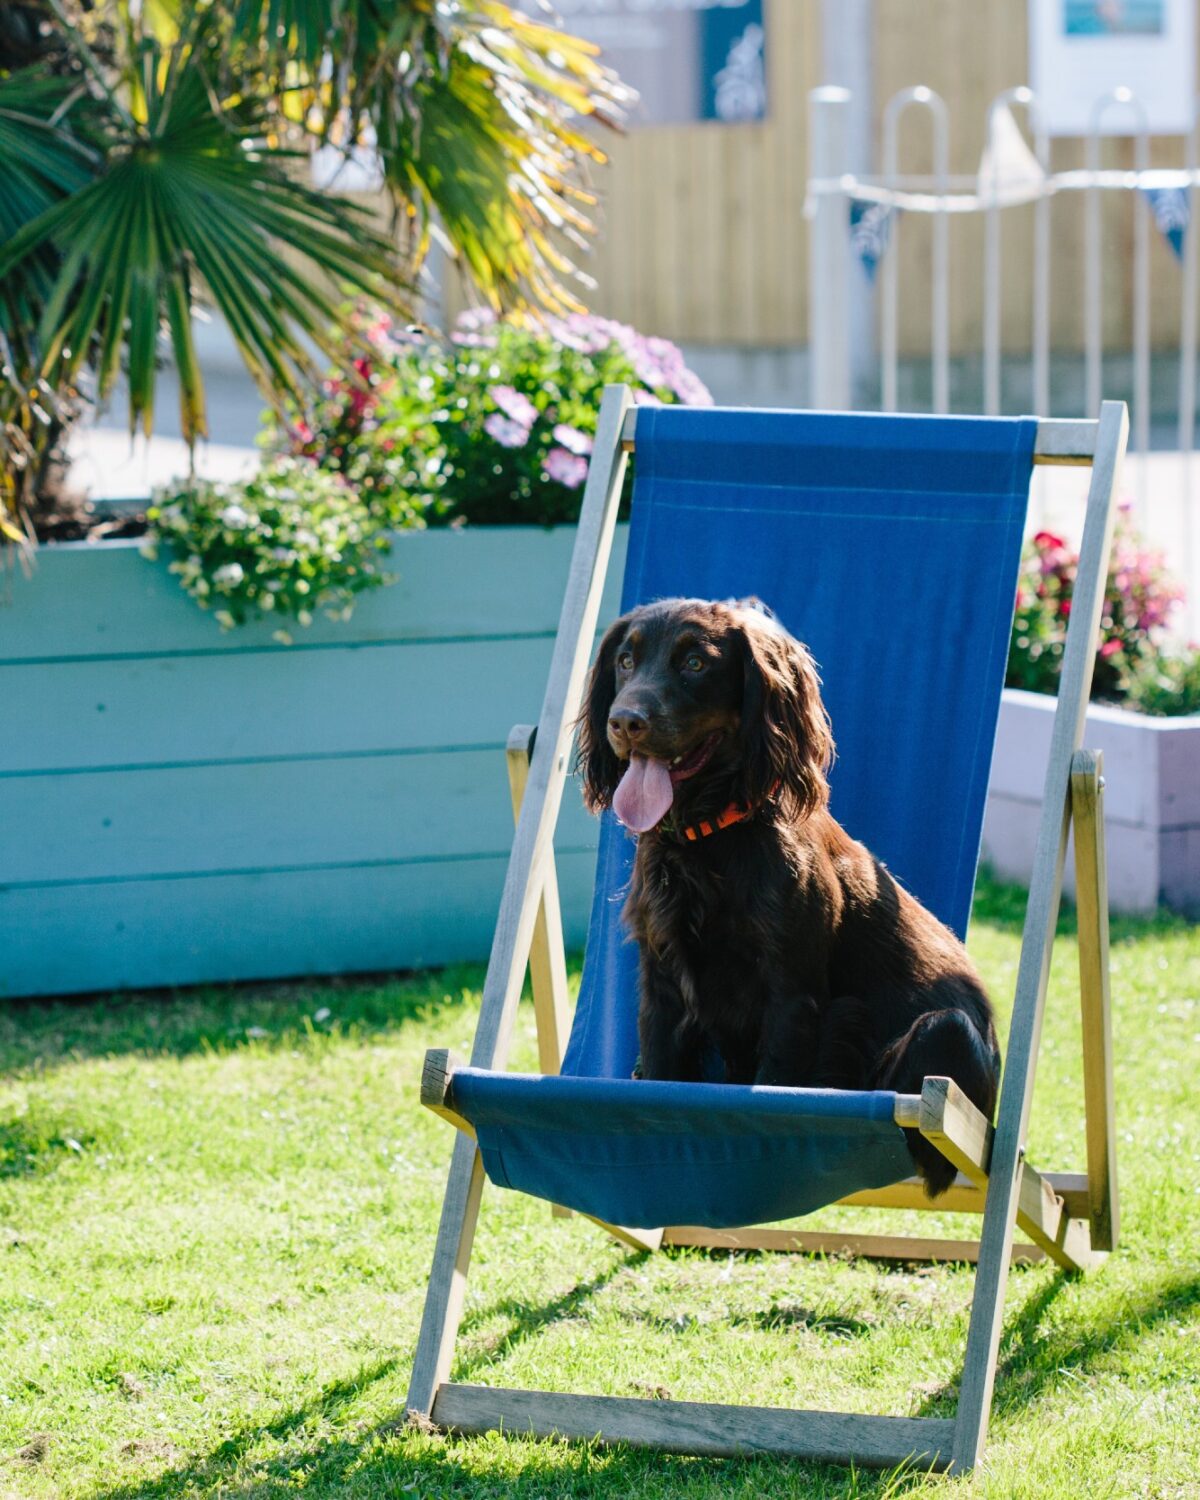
(947, 1044)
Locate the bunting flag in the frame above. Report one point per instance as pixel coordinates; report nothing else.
(1009, 172)
(870, 232)
(1172, 213)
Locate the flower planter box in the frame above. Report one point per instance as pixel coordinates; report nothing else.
(1152, 797)
(180, 805)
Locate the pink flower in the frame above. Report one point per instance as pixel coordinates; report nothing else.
(513, 404)
(301, 431)
(472, 329)
(1110, 648)
(572, 439)
(507, 433)
(566, 468)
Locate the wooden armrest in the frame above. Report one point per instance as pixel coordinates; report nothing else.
(437, 1085)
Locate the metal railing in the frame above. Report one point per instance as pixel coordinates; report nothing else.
(939, 195)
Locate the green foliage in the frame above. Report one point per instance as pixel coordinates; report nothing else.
(493, 427)
(291, 540)
(218, 1209)
(1169, 687)
(154, 161)
(1139, 599)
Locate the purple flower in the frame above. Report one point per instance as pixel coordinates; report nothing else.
(690, 389)
(513, 404)
(567, 468)
(508, 434)
(572, 439)
(473, 328)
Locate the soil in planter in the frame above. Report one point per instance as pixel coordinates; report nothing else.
(65, 516)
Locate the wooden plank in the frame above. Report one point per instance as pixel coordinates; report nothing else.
(903, 1247)
(963, 1135)
(137, 934)
(522, 890)
(88, 599)
(428, 806)
(447, 1286)
(1091, 896)
(178, 710)
(648, 1240)
(1041, 913)
(964, 1197)
(437, 1076)
(1063, 441)
(952, 1123)
(703, 1428)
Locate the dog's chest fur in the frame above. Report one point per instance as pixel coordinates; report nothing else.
(711, 915)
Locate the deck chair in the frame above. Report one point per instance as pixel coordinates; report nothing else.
(890, 544)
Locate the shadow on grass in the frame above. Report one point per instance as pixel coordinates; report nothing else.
(390, 1459)
(527, 1319)
(1031, 1360)
(41, 1034)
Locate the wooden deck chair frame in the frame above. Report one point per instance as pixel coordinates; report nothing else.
(1070, 1217)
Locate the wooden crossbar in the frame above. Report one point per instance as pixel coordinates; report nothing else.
(965, 1197)
(699, 1427)
(897, 1247)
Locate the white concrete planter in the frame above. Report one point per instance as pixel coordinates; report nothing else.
(1152, 797)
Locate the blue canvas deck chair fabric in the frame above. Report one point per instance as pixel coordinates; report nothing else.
(890, 545)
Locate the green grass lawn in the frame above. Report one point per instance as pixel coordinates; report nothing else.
(217, 1212)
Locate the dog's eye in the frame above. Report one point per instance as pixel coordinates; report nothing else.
(625, 661)
(694, 662)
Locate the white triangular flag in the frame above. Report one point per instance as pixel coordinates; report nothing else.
(1008, 171)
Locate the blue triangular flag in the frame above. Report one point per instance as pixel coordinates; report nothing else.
(1172, 214)
(870, 231)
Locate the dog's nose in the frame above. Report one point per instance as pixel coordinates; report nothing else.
(628, 722)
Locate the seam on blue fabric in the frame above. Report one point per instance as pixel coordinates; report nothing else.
(831, 513)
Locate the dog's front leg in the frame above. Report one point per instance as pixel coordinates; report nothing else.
(671, 1042)
(788, 1042)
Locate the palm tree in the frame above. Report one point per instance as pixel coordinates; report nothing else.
(154, 160)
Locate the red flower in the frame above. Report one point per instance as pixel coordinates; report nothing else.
(1048, 539)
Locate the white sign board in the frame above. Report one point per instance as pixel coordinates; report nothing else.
(1080, 50)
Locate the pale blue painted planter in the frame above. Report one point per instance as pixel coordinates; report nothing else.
(178, 805)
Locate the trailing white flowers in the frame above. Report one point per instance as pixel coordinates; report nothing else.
(292, 540)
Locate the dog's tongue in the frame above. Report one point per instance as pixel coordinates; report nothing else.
(644, 794)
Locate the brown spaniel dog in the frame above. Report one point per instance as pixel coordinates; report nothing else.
(767, 935)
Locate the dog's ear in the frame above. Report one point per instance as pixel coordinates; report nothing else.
(786, 736)
(595, 761)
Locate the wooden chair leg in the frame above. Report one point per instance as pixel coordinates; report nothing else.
(1041, 915)
(448, 1277)
(1091, 896)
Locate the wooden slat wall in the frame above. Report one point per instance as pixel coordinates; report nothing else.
(178, 805)
(702, 235)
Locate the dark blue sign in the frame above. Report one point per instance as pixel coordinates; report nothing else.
(688, 59)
